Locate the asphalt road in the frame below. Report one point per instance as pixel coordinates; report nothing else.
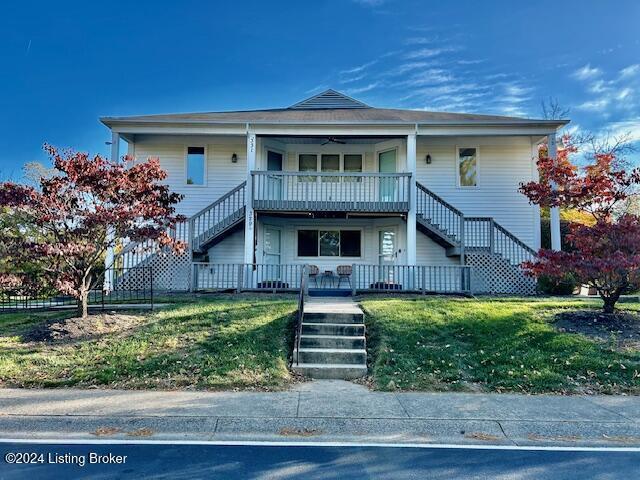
(312, 462)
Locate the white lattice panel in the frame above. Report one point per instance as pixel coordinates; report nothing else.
(171, 271)
(494, 274)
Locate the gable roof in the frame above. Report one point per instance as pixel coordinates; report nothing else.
(328, 99)
(331, 108)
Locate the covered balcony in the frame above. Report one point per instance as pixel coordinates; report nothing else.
(330, 192)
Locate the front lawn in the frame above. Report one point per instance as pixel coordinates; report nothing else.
(210, 342)
(491, 345)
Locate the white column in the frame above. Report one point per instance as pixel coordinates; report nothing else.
(249, 224)
(110, 255)
(554, 212)
(411, 216)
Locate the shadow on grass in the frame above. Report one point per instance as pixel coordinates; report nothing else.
(504, 345)
(225, 342)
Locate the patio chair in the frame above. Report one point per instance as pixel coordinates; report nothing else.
(344, 273)
(314, 271)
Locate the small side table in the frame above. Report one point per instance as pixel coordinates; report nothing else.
(327, 275)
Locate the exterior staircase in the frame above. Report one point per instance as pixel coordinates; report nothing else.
(332, 343)
(216, 221)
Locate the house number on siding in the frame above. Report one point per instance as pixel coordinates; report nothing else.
(252, 143)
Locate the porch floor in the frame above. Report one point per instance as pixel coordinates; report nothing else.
(332, 305)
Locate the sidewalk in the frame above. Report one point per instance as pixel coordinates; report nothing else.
(325, 411)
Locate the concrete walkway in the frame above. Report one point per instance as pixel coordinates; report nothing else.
(327, 410)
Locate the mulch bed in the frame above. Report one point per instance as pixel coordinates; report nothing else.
(620, 329)
(81, 328)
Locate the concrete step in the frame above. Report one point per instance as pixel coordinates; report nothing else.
(333, 317)
(332, 341)
(332, 356)
(336, 371)
(333, 329)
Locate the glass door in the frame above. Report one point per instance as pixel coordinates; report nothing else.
(387, 255)
(387, 164)
(272, 253)
(274, 182)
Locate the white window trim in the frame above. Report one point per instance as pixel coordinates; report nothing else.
(265, 156)
(186, 165)
(457, 167)
(319, 160)
(329, 229)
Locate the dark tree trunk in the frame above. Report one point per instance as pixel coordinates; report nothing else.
(83, 304)
(610, 303)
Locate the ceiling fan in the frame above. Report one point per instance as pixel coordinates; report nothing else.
(333, 140)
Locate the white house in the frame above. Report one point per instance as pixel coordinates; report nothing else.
(392, 199)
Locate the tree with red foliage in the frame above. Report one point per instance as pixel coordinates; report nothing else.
(77, 214)
(606, 254)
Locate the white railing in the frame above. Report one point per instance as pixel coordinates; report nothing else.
(364, 278)
(350, 192)
(485, 234)
(217, 217)
(412, 278)
(246, 277)
(439, 213)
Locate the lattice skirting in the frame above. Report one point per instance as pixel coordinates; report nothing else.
(495, 274)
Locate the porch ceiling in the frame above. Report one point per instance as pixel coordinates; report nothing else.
(319, 140)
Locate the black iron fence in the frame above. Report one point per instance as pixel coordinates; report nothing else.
(115, 286)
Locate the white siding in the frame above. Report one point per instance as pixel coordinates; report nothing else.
(222, 174)
(503, 163)
(229, 250)
(429, 252)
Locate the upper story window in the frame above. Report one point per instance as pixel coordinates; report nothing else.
(308, 162)
(195, 166)
(352, 163)
(467, 164)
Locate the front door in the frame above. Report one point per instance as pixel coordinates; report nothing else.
(387, 242)
(271, 253)
(274, 182)
(387, 164)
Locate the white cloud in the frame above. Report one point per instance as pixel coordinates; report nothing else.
(471, 62)
(430, 52)
(630, 71)
(366, 88)
(587, 72)
(596, 105)
(359, 68)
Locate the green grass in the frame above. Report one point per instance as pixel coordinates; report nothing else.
(495, 345)
(214, 342)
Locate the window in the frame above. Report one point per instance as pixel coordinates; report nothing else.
(195, 165)
(467, 167)
(329, 243)
(308, 162)
(307, 243)
(330, 163)
(350, 243)
(352, 163)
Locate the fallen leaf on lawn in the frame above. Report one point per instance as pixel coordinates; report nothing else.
(103, 431)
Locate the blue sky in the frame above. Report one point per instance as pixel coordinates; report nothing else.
(67, 63)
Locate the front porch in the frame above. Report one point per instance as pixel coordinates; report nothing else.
(363, 278)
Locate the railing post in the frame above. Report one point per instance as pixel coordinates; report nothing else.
(194, 277)
(462, 239)
(305, 274)
(354, 279)
(424, 280)
(239, 278)
(491, 235)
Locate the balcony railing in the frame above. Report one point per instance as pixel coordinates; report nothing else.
(331, 192)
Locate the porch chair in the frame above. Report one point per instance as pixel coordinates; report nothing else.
(314, 271)
(344, 273)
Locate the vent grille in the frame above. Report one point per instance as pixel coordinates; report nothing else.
(327, 100)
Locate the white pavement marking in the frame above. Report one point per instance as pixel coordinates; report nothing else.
(250, 443)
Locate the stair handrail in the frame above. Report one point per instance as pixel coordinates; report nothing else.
(458, 216)
(195, 219)
(517, 252)
(300, 313)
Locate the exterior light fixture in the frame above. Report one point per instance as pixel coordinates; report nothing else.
(234, 158)
(428, 159)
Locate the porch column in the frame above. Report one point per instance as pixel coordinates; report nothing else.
(411, 216)
(109, 257)
(554, 222)
(249, 224)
